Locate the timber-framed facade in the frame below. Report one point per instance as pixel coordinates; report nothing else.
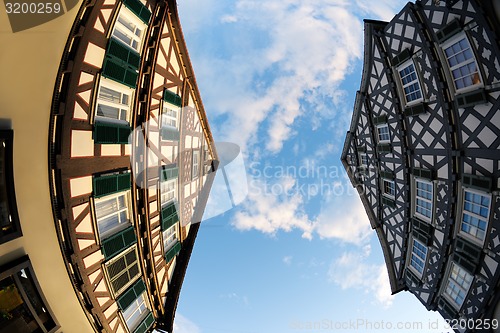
(131, 160)
(423, 151)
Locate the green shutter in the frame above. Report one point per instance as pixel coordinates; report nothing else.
(145, 324)
(471, 98)
(172, 98)
(384, 148)
(423, 227)
(174, 250)
(121, 52)
(117, 243)
(118, 71)
(131, 294)
(169, 173)
(477, 182)
(422, 173)
(380, 120)
(447, 308)
(105, 185)
(169, 134)
(386, 174)
(424, 238)
(411, 278)
(169, 216)
(465, 263)
(469, 250)
(401, 57)
(109, 133)
(361, 149)
(138, 9)
(449, 30)
(414, 110)
(388, 202)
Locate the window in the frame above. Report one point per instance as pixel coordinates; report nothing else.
(22, 304)
(418, 256)
(461, 61)
(170, 237)
(112, 213)
(169, 116)
(475, 214)
(196, 164)
(383, 133)
(129, 29)
(122, 270)
(363, 159)
(458, 285)
(136, 312)
(410, 83)
(168, 190)
(113, 101)
(10, 227)
(423, 198)
(389, 188)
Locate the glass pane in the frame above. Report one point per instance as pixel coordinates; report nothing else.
(108, 111)
(109, 95)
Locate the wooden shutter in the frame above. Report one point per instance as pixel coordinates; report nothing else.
(423, 227)
(464, 263)
(145, 324)
(384, 148)
(411, 278)
(115, 70)
(380, 120)
(138, 9)
(422, 237)
(169, 134)
(422, 173)
(122, 53)
(131, 294)
(172, 98)
(477, 182)
(447, 308)
(471, 98)
(105, 185)
(109, 133)
(386, 174)
(467, 249)
(172, 252)
(388, 202)
(169, 173)
(449, 30)
(414, 110)
(117, 243)
(401, 57)
(169, 216)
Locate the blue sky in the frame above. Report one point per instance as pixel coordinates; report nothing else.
(278, 78)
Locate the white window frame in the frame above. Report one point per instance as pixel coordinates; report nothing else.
(170, 237)
(458, 281)
(168, 191)
(389, 184)
(121, 223)
(121, 89)
(379, 127)
(131, 280)
(417, 257)
(470, 236)
(423, 199)
(449, 43)
(167, 120)
(136, 41)
(195, 163)
(139, 306)
(363, 159)
(411, 83)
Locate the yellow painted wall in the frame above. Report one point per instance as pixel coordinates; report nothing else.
(29, 61)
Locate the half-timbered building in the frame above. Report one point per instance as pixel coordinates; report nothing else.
(131, 160)
(423, 152)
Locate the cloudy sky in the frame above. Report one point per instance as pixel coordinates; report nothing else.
(296, 254)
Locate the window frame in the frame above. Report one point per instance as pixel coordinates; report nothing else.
(410, 257)
(449, 73)
(195, 167)
(167, 242)
(380, 126)
(141, 300)
(166, 106)
(392, 187)
(467, 235)
(117, 87)
(416, 197)
(444, 290)
(363, 159)
(110, 280)
(127, 14)
(121, 225)
(163, 193)
(24, 263)
(402, 67)
(7, 136)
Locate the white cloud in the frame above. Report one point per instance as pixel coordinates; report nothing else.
(287, 260)
(351, 270)
(343, 217)
(184, 325)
